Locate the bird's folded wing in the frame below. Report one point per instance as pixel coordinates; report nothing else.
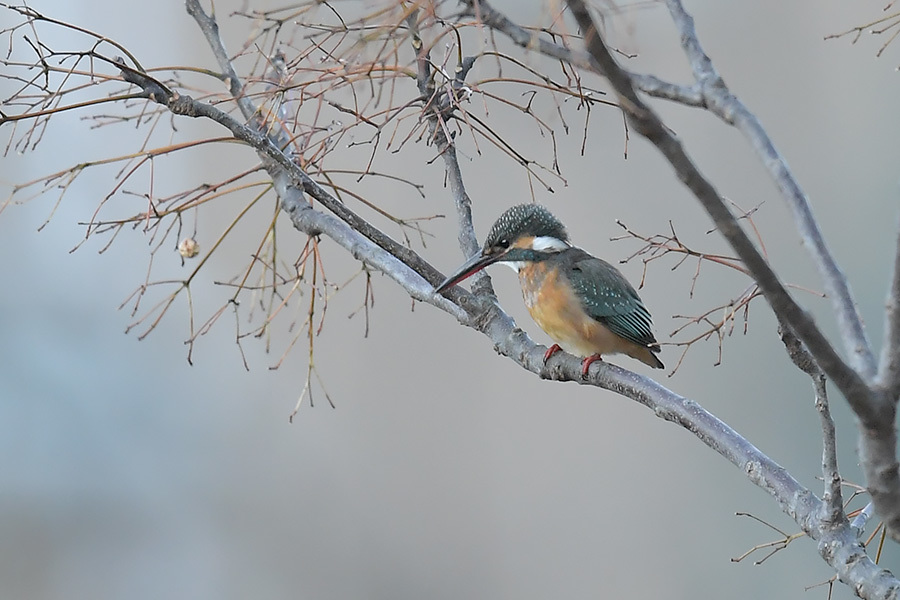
(608, 297)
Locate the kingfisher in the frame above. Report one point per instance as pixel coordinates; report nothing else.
(582, 302)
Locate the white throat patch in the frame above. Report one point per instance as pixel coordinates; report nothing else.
(548, 243)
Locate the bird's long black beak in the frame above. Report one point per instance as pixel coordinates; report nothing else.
(469, 268)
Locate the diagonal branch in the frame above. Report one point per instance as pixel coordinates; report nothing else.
(799, 322)
(838, 544)
(648, 124)
(876, 408)
(721, 102)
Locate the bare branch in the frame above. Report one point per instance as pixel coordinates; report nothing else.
(720, 101)
(889, 365)
(832, 498)
(856, 391)
(439, 107)
(860, 520)
(649, 125)
(531, 40)
(874, 27)
(210, 29)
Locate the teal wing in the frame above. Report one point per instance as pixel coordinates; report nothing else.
(608, 297)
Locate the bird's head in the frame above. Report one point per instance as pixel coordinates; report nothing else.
(524, 233)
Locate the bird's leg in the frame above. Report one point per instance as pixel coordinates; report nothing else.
(550, 352)
(587, 362)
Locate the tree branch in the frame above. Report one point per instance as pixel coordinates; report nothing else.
(832, 498)
(530, 40)
(850, 383)
(721, 102)
(440, 105)
(649, 125)
(889, 365)
(876, 409)
(210, 29)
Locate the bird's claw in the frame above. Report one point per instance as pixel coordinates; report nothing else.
(587, 362)
(550, 352)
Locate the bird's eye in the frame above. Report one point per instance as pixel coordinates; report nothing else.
(503, 243)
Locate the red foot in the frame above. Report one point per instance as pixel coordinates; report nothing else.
(587, 362)
(550, 352)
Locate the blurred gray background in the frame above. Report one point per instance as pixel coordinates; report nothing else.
(445, 471)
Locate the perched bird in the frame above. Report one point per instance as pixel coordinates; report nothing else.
(584, 303)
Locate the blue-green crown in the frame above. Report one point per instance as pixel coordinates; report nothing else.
(524, 220)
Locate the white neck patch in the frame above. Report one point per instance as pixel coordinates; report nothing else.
(546, 243)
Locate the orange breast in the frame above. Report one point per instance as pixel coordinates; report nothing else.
(558, 311)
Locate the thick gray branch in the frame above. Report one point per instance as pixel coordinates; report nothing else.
(850, 383)
(838, 544)
(878, 458)
(720, 101)
(645, 121)
(314, 222)
(876, 408)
